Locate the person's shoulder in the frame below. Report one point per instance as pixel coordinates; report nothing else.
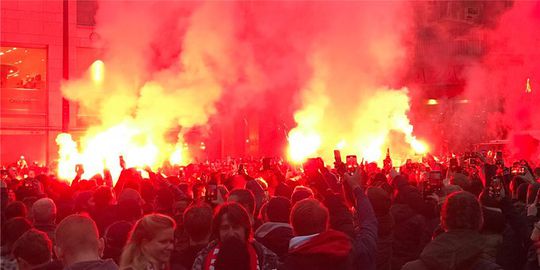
(484, 264)
(414, 265)
(269, 258)
(54, 265)
(261, 248)
(201, 255)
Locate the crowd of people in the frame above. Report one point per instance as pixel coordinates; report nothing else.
(472, 211)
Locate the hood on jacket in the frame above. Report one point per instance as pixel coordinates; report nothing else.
(330, 243)
(268, 227)
(453, 250)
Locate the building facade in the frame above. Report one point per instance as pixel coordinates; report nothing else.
(42, 43)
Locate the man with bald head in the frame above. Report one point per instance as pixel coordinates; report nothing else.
(43, 214)
(78, 245)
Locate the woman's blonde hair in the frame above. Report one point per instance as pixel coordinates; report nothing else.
(146, 228)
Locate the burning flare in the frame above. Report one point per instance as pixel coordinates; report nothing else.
(139, 139)
(372, 129)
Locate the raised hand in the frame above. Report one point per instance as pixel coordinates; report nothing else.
(353, 179)
(122, 162)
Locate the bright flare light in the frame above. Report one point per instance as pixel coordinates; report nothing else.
(419, 147)
(367, 133)
(138, 138)
(97, 70)
(302, 145)
(177, 156)
(341, 144)
(102, 150)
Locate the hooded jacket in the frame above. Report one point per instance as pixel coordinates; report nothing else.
(335, 249)
(275, 236)
(454, 250)
(327, 250)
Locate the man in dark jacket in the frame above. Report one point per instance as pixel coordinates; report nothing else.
(461, 246)
(198, 227)
(78, 245)
(316, 247)
(410, 229)
(276, 232)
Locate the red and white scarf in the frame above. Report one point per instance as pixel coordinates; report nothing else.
(210, 262)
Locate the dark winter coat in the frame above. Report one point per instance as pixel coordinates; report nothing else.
(385, 238)
(454, 250)
(409, 235)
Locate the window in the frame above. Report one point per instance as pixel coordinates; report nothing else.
(23, 67)
(86, 11)
(23, 79)
(472, 14)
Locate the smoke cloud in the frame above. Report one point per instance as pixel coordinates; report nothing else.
(496, 74)
(329, 67)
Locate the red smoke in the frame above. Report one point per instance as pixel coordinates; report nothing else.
(190, 64)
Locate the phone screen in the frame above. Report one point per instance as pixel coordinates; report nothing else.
(337, 155)
(211, 192)
(352, 163)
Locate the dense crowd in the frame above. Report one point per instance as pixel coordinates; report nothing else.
(473, 211)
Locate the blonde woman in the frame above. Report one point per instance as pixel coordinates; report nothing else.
(150, 244)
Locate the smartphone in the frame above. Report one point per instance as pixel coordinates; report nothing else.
(352, 163)
(337, 156)
(211, 192)
(313, 165)
(433, 185)
(495, 187)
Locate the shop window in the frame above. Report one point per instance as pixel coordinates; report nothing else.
(23, 80)
(23, 67)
